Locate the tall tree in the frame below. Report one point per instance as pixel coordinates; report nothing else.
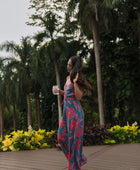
(89, 16)
(21, 66)
(48, 18)
(2, 97)
(11, 90)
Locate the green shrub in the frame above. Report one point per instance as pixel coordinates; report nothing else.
(125, 134)
(1, 144)
(27, 140)
(96, 134)
(93, 135)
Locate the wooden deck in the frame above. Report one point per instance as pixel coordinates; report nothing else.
(116, 157)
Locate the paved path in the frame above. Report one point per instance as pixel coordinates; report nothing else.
(116, 157)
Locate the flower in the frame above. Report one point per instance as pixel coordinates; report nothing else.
(72, 124)
(32, 139)
(6, 144)
(109, 141)
(13, 133)
(117, 127)
(26, 133)
(44, 145)
(77, 144)
(61, 138)
(41, 131)
(30, 127)
(11, 147)
(79, 132)
(70, 113)
(7, 136)
(49, 134)
(38, 137)
(19, 140)
(135, 123)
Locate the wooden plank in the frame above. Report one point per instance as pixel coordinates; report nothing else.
(115, 157)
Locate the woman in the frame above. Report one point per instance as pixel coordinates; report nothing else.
(71, 128)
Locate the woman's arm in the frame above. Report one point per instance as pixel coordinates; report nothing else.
(61, 92)
(78, 91)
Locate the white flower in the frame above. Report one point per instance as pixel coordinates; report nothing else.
(24, 139)
(30, 127)
(135, 123)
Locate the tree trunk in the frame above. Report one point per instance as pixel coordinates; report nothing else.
(14, 117)
(98, 69)
(59, 96)
(38, 115)
(29, 110)
(1, 121)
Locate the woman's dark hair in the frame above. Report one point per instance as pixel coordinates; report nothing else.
(77, 68)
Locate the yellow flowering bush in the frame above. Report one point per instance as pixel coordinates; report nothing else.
(110, 141)
(125, 134)
(28, 140)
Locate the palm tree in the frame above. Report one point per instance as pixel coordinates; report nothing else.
(52, 37)
(55, 50)
(9, 81)
(36, 67)
(21, 67)
(1, 121)
(49, 22)
(2, 98)
(90, 16)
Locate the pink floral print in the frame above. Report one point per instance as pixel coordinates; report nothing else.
(71, 128)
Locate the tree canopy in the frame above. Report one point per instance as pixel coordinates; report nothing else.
(109, 29)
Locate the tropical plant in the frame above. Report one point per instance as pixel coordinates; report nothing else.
(27, 140)
(90, 14)
(2, 97)
(51, 23)
(20, 68)
(125, 134)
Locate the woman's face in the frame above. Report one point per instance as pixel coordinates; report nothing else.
(69, 66)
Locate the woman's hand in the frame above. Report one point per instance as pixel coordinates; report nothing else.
(76, 78)
(61, 92)
(78, 91)
(57, 90)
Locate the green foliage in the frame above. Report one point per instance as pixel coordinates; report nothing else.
(125, 134)
(119, 77)
(22, 120)
(27, 140)
(67, 35)
(93, 135)
(8, 117)
(1, 144)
